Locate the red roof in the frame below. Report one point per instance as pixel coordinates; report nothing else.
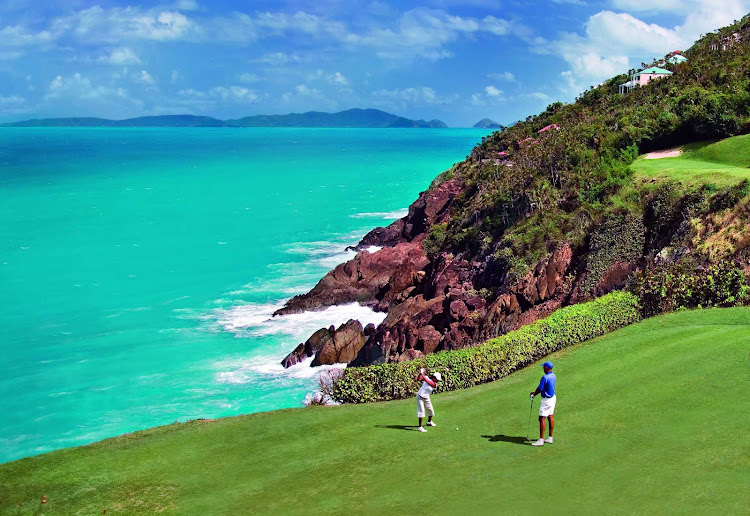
(551, 126)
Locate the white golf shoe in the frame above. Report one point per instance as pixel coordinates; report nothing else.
(548, 440)
(431, 423)
(538, 442)
(421, 429)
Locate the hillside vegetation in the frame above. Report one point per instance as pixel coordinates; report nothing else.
(552, 212)
(646, 422)
(565, 183)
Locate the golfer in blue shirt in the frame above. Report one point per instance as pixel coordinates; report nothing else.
(547, 390)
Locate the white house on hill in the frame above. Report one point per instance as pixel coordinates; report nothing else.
(644, 77)
(676, 58)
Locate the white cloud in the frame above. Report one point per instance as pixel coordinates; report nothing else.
(96, 24)
(17, 36)
(492, 91)
(411, 96)
(11, 101)
(425, 33)
(122, 56)
(503, 76)
(14, 104)
(175, 76)
(222, 93)
(242, 27)
(248, 78)
(144, 77)
(80, 87)
(673, 6)
(490, 95)
(338, 79)
(615, 42)
(304, 89)
(279, 59)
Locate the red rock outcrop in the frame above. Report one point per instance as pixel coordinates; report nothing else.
(451, 315)
(372, 279)
(331, 345)
(432, 207)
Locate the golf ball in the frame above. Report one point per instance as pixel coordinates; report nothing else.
(456, 428)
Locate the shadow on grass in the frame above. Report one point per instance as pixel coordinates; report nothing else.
(507, 439)
(398, 427)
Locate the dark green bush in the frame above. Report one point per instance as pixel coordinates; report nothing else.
(493, 359)
(674, 287)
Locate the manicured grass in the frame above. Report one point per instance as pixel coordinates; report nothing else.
(725, 162)
(650, 419)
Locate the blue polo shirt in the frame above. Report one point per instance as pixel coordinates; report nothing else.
(547, 385)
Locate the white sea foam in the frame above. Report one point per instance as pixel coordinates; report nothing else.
(395, 214)
(247, 371)
(257, 320)
(236, 314)
(290, 330)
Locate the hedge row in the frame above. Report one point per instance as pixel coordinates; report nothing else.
(493, 359)
(675, 287)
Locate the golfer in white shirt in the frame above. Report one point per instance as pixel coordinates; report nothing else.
(424, 405)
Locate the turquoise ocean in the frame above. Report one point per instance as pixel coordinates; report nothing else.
(139, 268)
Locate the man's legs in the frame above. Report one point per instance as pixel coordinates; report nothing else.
(541, 427)
(420, 421)
(551, 424)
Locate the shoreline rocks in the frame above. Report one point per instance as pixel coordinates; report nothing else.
(331, 345)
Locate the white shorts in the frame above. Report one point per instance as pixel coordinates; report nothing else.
(548, 406)
(424, 406)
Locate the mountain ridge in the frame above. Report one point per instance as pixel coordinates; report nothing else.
(356, 117)
(487, 123)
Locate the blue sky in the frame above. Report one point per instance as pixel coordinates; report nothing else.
(458, 61)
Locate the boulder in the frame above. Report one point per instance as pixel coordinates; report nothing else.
(309, 348)
(342, 345)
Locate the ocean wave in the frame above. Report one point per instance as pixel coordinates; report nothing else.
(293, 277)
(395, 214)
(248, 371)
(257, 320)
(247, 312)
(286, 332)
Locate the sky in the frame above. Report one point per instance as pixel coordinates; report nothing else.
(458, 61)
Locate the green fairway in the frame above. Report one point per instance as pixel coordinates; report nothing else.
(725, 162)
(650, 419)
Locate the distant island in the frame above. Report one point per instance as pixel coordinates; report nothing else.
(368, 118)
(487, 123)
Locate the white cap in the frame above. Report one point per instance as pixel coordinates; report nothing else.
(438, 377)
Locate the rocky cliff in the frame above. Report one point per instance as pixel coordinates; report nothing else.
(547, 213)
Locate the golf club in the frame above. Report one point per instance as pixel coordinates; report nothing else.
(528, 427)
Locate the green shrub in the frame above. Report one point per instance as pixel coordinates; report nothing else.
(493, 359)
(434, 241)
(674, 287)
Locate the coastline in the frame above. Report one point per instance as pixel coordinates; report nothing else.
(156, 236)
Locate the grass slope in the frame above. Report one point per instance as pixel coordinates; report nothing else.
(650, 419)
(725, 162)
